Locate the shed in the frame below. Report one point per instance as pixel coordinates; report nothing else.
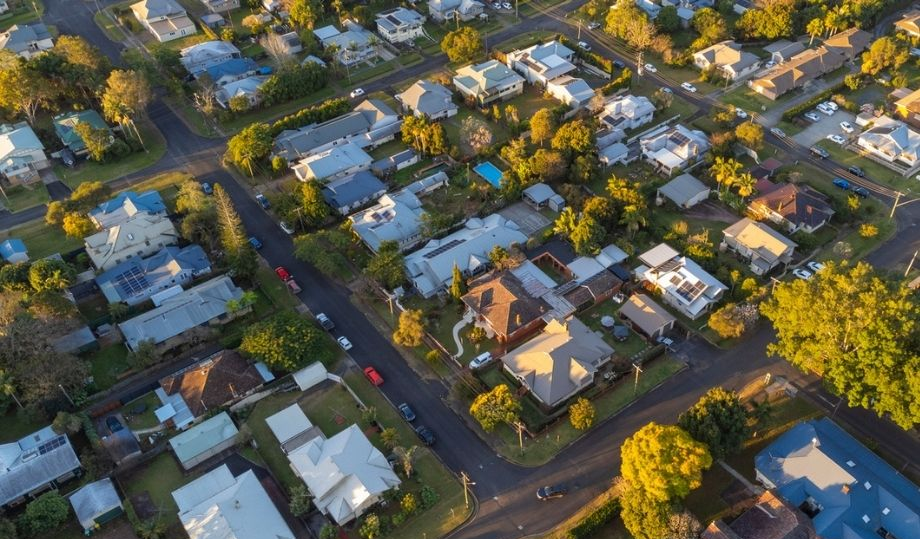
(540, 195)
(76, 342)
(14, 251)
(95, 504)
(204, 440)
(309, 376)
(213, 20)
(685, 190)
(646, 316)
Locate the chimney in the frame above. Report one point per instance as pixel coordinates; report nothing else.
(845, 489)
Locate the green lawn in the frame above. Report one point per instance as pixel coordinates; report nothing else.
(592, 318)
(874, 170)
(129, 164)
(166, 183)
(499, 133)
(14, 424)
(749, 100)
(23, 14)
(706, 502)
(21, 197)
(145, 420)
(529, 102)
(42, 240)
(106, 364)
(159, 477)
(522, 41)
(111, 30)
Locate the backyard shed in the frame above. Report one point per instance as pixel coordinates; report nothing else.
(685, 191)
(646, 316)
(96, 503)
(204, 440)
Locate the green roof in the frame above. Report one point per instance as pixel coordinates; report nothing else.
(203, 437)
(64, 127)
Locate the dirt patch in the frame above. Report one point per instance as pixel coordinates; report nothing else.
(144, 506)
(711, 211)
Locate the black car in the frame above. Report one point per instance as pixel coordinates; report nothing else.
(113, 424)
(425, 435)
(820, 152)
(860, 191)
(549, 492)
(857, 171)
(406, 412)
(618, 64)
(68, 157)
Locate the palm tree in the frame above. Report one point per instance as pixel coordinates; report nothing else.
(724, 171)
(406, 458)
(633, 218)
(745, 184)
(815, 28)
(390, 437)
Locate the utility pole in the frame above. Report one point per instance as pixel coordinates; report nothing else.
(911, 264)
(466, 488)
(520, 429)
(894, 206)
(636, 384)
(579, 30)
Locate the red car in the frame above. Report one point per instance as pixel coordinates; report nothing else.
(373, 376)
(283, 273)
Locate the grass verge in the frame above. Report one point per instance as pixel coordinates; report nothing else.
(129, 164)
(21, 197)
(42, 240)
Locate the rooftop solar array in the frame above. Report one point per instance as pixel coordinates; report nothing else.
(690, 291)
(132, 282)
(52, 444)
(444, 248)
(670, 265)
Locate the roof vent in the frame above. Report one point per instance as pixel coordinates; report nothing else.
(236, 503)
(867, 485)
(851, 464)
(845, 489)
(885, 511)
(865, 519)
(130, 236)
(814, 441)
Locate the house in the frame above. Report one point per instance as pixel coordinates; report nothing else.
(216, 381)
(542, 63)
(652, 9)
(682, 282)
(626, 112)
(892, 141)
(333, 163)
(430, 269)
(845, 489)
(165, 326)
(908, 108)
(428, 99)
(307, 377)
(126, 205)
(26, 40)
(219, 505)
(395, 162)
(22, 155)
(728, 59)
(221, 6)
(782, 51)
(396, 217)
(909, 23)
(199, 57)
(794, 207)
(541, 195)
(248, 88)
(399, 25)
(849, 43)
(572, 91)
(65, 124)
(139, 236)
(214, 21)
(500, 301)
(292, 427)
(771, 517)
(647, 317)
(95, 504)
(446, 10)
(291, 43)
(685, 190)
(353, 45)
(311, 59)
(14, 251)
(488, 82)
(204, 440)
(4, 7)
(674, 148)
(231, 70)
(165, 19)
(559, 362)
(764, 247)
(353, 191)
(613, 154)
(38, 462)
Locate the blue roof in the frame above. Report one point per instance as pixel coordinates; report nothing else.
(817, 465)
(352, 189)
(148, 201)
(141, 277)
(11, 247)
(233, 66)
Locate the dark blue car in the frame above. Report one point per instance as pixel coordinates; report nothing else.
(841, 183)
(256, 244)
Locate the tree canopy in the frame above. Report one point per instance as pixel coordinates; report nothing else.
(387, 265)
(495, 407)
(462, 45)
(581, 414)
(288, 342)
(411, 328)
(664, 461)
(719, 420)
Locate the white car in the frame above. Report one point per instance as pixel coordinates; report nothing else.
(496, 5)
(769, 64)
(837, 139)
(813, 116)
(689, 87)
(344, 343)
(650, 68)
(286, 228)
(584, 46)
(802, 273)
(823, 108)
(507, 5)
(357, 92)
(480, 360)
(847, 127)
(831, 105)
(741, 114)
(594, 25)
(777, 132)
(815, 266)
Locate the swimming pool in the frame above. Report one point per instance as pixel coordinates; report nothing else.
(489, 173)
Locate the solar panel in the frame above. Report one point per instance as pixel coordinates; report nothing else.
(690, 291)
(132, 282)
(446, 247)
(51, 445)
(670, 265)
(679, 138)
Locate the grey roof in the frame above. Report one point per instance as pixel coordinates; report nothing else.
(645, 313)
(786, 48)
(539, 192)
(34, 461)
(301, 141)
(94, 500)
(125, 205)
(333, 161)
(382, 166)
(682, 189)
(191, 308)
(18, 37)
(151, 9)
(138, 278)
(203, 437)
(579, 90)
(486, 78)
(858, 493)
(353, 35)
(75, 340)
(344, 192)
(395, 18)
(428, 98)
(396, 217)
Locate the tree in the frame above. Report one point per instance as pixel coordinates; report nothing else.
(726, 322)
(667, 19)
(861, 339)
(97, 140)
(719, 420)
(304, 13)
(644, 516)
(548, 166)
(328, 531)
(745, 182)
(314, 209)
(583, 169)
(684, 525)
(409, 503)
(201, 227)
(7, 529)
(814, 29)
(411, 328)
(300, 500)
(476, 134)
(574, 137)
(45, 513)
(78, 225)
(24, 89)
(50, 274)
(241, 257)
(287, 342)
(370, 526)
(772, 22)
(406, 458)
(457, 283)
(664, 461)
(581, 414)
(86, 66)
(542, 126)
(390, 437)
(724, 171)
(462, 45)
(277, 49)
(15, 277)
(191, 197)
(587, 236)
(750, 135)
(126, 96)
(500, 258)
(868, 230)
(494, 407)
(386, 267)
(885, 53)
(239, 103)
(250, 146)
(710, 25)
(67, 423)
(144, 355)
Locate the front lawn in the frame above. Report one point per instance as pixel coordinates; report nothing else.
(749, 100)
(108, 26)
(874, 170)
(29, 11)
(159, 477)
(105, 172)
(21, 197)
(42, 240)
(107, 364)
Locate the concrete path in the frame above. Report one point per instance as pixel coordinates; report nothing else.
(465, 321)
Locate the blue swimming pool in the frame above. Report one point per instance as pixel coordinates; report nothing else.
(489, 173)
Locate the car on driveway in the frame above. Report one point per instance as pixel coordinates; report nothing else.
(480, 360)
(206, 188)
(812, 116)
(286, 228)
(344, 343)
(425, 435)
(689, 87)
(815, 266)
(357, 92)
(283, 274)
(856, 171)
(373, 376)
(260, 198)
(496, 5)
(254, 241)
(650, 68)
(802, 273)
(841, 183)
(113, 424)
(824, 109)
(551, 491)
(68, 157)
(619, 64)
(861, 191)
(837, 139)
(831, 105)
(847, 127)
(777, 132)
(819, 151)
(406, 412)
(740, 113)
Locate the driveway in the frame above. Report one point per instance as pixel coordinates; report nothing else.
(829, 125)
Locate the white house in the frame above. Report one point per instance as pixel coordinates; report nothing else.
(165, 19)
(892, 141)
(26, 40)
(428, 99)
(762, 246)
(141, 235)
(399, 24)
(200, 57)
(542, 63)
(354, 44)
(572, 91)
(221, 6)
(488, 82)
(728, 59)
(396, 217)
(333, 163)
(248, 88)
(626, 112)
(683, 283)
(673, 149)
(4, 7)
(22, 155)
(446, 10)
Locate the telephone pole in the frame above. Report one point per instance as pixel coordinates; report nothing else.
(911, 264)
(520, 429)
(636, 384)
(894, 206)
(466, 488)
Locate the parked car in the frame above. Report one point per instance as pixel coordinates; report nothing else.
(406, 412)
(584, 46)
(260, 198)
(820, 152)
(856, 171)
(841, 183)
(777, 132)
(812, 116)
(283, 274)
(689, 87)
(496, 5)
(551, 491)
(650, 68)
(425, 435)
(325, 322)
(357, 92)
(824, 109)
(507, 5)
(344, 343)
(769, 64)
(741, 113)
(206, 188)
(861, 191)
(837, 139)
(815, 266)
(68, 157)
(373, 376)
(802, 273)
(254, 241)
(667, 90)
(113, 424)
(831, 105)
(619, 64)
(481, 360)
(595, 26)
(847, 127)
(286, 228)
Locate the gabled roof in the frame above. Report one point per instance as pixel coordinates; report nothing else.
(576, 89)
(126, 205)
(137, 277)
(849, 43)
(728, 54)
(289, 422)
(770, 518)
(34, 461)
(396, 217)
(333, 161)
(343, 192)
(202, 437)
(642, 311)
(759, 238)
(232, 67)
(17, 143)
(65, 124)
(486, 78)
(549, 60)
(427, 97)
(658, 255)
(206, 51)
(683, 188)
(12, 248)
(393, 19)
(798, 205)
(94, 500)
(212, 383)
(150, 9)
(910, 23)
(20, 37)
(141, 230)
(501, 299)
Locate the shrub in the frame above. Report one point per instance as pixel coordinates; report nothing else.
(429, 497)
(868, 230)
(792, 112)
(409, 503)
(592, 523)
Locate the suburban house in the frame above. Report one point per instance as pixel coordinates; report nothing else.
(199, 57)
(446, 10)
(647, 317)
(13, 251)
(392, 163)
(399, 25)
(65, 124)
(613, 154)
(559, 362)
(26, 40)
(291, 43)
(542, 63)
(674, 149)
(22, 155)
(221, 6)
(353, 45)
(845, 489)
(166, 325)
(727, 59)
(782, 51)
(430, 269)
(217, 504)
(335, 162)
(204, 440)
(126, 205)
(165, 19)
(38, 462)
(231, 70)
(682, 282)
(771, 517)
(908, 108)
(762, 246)
(353, 191)
(626, 112)
(793, 207)
(345, 473)
(488, 82)
(138, 279)
(141, 235)
(4, 6)
(892, 141)
(501, 302)
(540, 195)
(396, 217)
(685, 190)
(95, 504)
(247, 87)
(572, 91)
(428, 99)
(909, 23)
(214, 21)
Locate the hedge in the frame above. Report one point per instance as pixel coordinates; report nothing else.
(592, 58)
(316, 114)
(792, 112)
(592, 523)
(623, 81)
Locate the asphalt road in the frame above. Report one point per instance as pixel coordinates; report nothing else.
(506, 492)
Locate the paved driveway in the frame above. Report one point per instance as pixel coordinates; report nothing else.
(829, 125)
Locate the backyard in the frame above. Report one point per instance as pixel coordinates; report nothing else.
(107, 365)
(159, 478)
(42, 240)
(139, 413)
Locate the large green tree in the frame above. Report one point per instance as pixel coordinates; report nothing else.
(644, 516)
(719, 420)
(125, 98)
(495, 407)
(241, 257)
(45, 513)
(462, 45)
(858, 331)
(773, 21)
(249, 146)
(50, 274)
(885, 53)
(387, 265)
(313, 207)
(542, 126)
(287, 341)
(664, 461)
(573, 138)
